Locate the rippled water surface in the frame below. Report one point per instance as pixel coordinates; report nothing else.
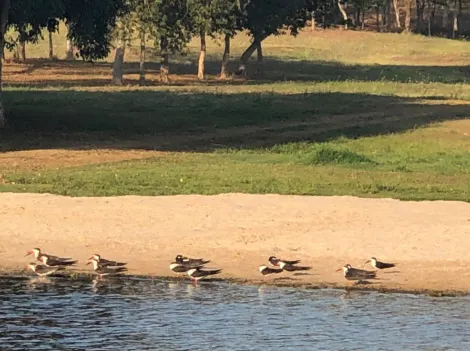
(60, 314)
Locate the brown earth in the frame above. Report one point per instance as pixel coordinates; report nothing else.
(428, 240)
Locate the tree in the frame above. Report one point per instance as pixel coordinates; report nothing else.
(173, 29)
(52, 27)
(225, 21)
(263, 18)
(136, 20)
(4, 9)
(90, 24)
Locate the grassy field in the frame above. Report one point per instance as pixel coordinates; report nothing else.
(335, 113)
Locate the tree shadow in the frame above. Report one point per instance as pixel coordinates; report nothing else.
(197, 121)
(183, 71)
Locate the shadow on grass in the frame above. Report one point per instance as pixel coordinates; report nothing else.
(274, 69)
(194, 121)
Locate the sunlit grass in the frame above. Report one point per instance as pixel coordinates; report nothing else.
(336, 113)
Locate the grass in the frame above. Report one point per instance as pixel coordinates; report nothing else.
(335, 113)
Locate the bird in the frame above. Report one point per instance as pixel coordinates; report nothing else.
(265, 270)
(380, 265)
(104, 271)
(49, 261)
(351, 273)
(38, 255)
(292, 268)
(183, 267)
(200, 272)
(187, 260)
(42, 270)
(106, 263)
(274, 261)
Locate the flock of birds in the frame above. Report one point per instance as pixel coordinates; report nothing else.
(195, 268)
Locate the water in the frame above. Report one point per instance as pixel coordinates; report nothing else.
(127, 314)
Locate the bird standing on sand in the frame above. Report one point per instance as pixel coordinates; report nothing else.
(106, 263)
(49, 261)
(105, 271)
(276, 262)
(285, 266)
(39, 256)
(351, 273)
(380, 265)
(183, 267)
(42, 270)
(265, 270)
(200, 272)
(191, 261)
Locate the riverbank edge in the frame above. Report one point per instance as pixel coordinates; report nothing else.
(86, 276)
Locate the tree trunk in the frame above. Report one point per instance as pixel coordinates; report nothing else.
(358, 17)
(377, 19)
(385, 11)
(313, 24)
(165, 62)
(397, 13)
(259, 51)
(420, 5)
(431, 6)
(51, 46)
(69, 50)
(119, 63)
(455, 18)
(248, 52)
(225, 58)
(142, 58)
(445, 17)
(343, 13)
(363, 23)
(22, 50)
(202, 56)
(407, 15)
(4, 8)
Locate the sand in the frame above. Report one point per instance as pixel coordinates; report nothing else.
(430, 241)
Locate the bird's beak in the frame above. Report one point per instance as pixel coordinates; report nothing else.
(28, 253)
(90, 258)
(339, 269)
(367, 261)
(88, 263)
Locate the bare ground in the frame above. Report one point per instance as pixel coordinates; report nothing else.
(428, 240)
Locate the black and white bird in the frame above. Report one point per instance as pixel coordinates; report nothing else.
(265, 270)
(106, 263)
(39, 256)
(50, 261)
(380, 265)
(183, 267)
(276, 262)
(43, 270)
(105, 271)
(200, 272)
(351, 273)
(289, 267)
(188, 260)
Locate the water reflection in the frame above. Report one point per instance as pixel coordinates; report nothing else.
(159, 314)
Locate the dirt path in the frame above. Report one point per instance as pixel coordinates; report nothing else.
(430, 241)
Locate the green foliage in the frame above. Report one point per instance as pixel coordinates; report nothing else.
(263, 18)
(29, 17)
(91, 23)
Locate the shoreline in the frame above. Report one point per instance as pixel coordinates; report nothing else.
(88, 276)
(238, 232)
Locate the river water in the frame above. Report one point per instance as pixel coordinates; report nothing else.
(133, 314)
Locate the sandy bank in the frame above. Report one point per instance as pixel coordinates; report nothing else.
(429, 240)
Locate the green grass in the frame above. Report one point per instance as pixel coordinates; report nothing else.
(355, 114)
